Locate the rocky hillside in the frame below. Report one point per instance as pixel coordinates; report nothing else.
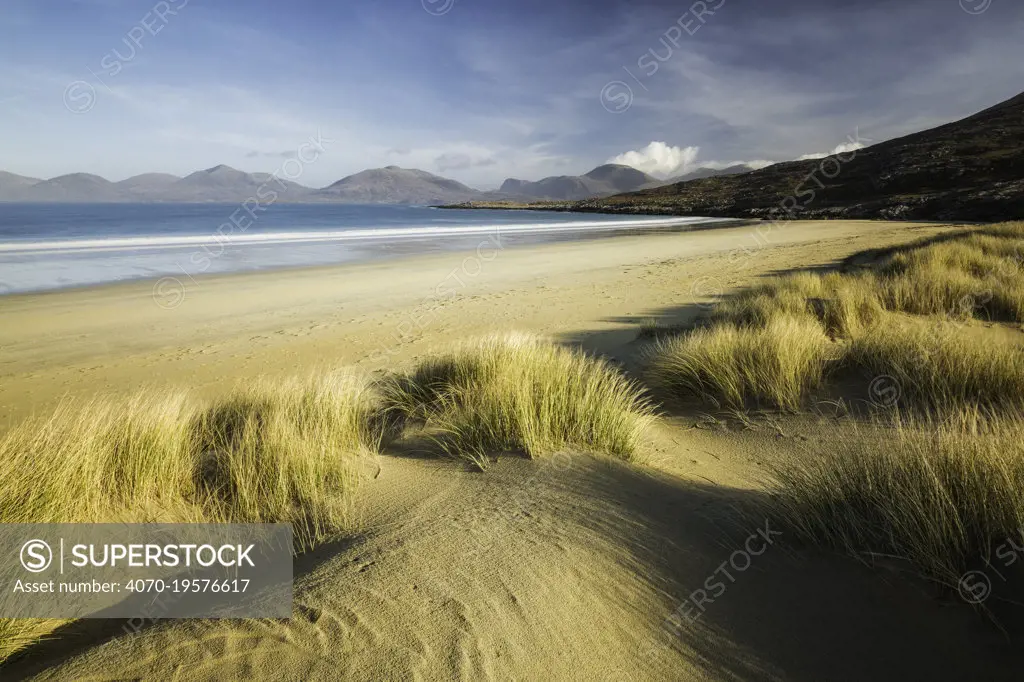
(972, 169)
(705, 172)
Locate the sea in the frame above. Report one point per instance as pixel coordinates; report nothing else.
(55, 246)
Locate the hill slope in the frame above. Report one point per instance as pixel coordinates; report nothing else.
(223, 183)
(602, 181)
(972, 169)
(75, 187)
(148, 184)
(706, 172)
(12, 185)
(217, 184)
(394, 185)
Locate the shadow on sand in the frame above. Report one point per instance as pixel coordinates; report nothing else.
(756, 605)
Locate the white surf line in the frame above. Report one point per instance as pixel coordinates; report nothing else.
(359, 234)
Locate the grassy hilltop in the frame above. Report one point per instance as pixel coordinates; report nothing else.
(969, 170)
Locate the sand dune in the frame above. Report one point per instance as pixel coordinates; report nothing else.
(565, 569)
(568, 567)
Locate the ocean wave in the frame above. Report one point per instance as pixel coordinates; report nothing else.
(356, 234)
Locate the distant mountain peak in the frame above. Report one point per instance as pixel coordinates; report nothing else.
(622, 172)
(606, 179)
(395, 185)
(221, 168)
(609, 167)
(79, 176)
(21, 180)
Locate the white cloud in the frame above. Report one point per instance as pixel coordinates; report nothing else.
(840, 149)
(659, 159)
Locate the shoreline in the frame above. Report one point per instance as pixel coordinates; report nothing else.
(570, 207)
(115, 338)
(422, 526)
(73, 257)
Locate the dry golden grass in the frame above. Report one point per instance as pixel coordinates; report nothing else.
(976, 273)
(518, 392)
(19, 633)
(943, 366)
(286, 452)
(939, 495)
(843, 304)
(778, 363)
(289, 451)
(99, 461)
(939, 488)
(650, 328)
(766, 344)
(282, 452)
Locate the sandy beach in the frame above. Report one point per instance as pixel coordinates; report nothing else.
(565, 568)
(209, 332)
(419, 342)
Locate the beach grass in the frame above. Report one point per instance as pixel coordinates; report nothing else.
(519, 392)
(937, 494)
(772, 344)
(936, 365)
(266, 453)
(977, 273)
(290, 451)
(732, 365)
(649, 328)
(281, 452)
(942, 485)
(843, 304)
(937, 479)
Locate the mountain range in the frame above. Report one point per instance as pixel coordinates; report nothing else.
(390, 185)
(219, 183)
(972, 169)
(602, 181)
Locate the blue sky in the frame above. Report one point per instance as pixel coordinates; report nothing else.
(481, 90)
